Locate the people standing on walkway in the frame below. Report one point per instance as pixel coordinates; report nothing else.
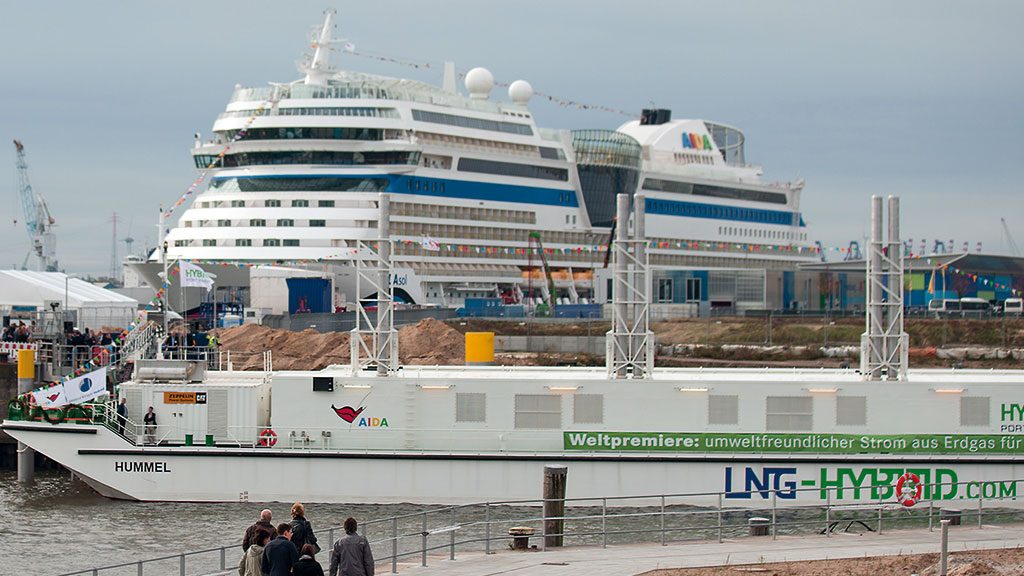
(307, 564)
(302, 530)
(150, 421)
(280, 554)
(263, 524)
(351, 553)
(122, 415)
(252, 559)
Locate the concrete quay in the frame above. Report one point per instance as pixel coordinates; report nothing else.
(632, 559)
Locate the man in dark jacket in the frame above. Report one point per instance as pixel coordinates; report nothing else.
(262, 524)
(280, 554)
(351, 553)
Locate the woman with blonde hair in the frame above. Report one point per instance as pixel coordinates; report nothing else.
(302, 530)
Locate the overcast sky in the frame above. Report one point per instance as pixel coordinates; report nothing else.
(920, 99)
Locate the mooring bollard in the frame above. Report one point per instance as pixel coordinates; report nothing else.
(554, 504)
(520, 537)
(951, 516)
(758, 526)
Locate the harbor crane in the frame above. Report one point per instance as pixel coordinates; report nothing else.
(1014, 250)
(38, 219)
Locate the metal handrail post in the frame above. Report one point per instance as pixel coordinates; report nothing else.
(981, 497)
(394, 544)
(451, 553)
(604, 518)
(775, 506)
(719, 517)
(330, 536)
(662, 519)
(424, 532)
(182, 565)
(223, 554)
(828, 512)
(879, 515)
(487, 527)
(140, 567)
(931, 506)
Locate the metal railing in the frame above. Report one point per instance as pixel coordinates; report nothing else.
(439, 533)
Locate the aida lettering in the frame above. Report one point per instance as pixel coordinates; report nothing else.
(150, 467)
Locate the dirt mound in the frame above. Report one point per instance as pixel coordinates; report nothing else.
(429, 342)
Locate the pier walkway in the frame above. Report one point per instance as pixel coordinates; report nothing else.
(628, 560)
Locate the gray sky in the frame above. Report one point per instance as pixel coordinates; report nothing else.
(920, 99)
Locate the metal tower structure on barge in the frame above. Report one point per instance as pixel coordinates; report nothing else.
(38, 220)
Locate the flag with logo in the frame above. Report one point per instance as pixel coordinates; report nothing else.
(192, 275)
(52, 397)
(429, 243)
(86, 387)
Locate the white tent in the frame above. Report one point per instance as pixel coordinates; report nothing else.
(94, 306)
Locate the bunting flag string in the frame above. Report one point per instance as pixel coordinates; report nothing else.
(220, 155)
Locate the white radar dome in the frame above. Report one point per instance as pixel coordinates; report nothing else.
(520, 92)
(479, 82)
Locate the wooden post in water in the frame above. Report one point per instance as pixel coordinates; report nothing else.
(554, 504)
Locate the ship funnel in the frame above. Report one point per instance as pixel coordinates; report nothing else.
(884, 344)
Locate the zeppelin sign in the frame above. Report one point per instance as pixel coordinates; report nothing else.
(184, 397)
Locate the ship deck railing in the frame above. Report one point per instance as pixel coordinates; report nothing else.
(437, 533)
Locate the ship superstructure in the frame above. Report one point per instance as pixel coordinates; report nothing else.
(297, 167)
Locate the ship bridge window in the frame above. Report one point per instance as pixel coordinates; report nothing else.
(298, 184)
(288, 242)
(317, 223)
(513, 169)
(552, 153)
(325, 203)
(470, 407)
(272, 203)
(286, 222)
(271, 242)
(304, 133)
(209, 243)
(243, 242)
(475, 123)
(789, 413)
(974, 410)
(724, 409)
(332, 157)
(851, 411)
(538, 411)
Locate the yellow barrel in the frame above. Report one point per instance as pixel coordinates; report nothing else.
(479, 348)
(26, 364)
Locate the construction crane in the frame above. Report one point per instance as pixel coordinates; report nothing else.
(38, 220)
(1014, 251)
(535, 236)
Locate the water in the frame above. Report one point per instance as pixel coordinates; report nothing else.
(60, 525)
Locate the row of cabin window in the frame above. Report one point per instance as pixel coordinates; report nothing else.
(243, 242)
(754, 232)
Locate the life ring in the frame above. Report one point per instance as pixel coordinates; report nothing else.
(268, 438)
(909, 489)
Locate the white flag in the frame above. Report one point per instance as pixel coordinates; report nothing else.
(86, 387)
(429, 243)
(192, 275)
(52, 397)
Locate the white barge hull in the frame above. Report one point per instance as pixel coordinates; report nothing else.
(118, 469)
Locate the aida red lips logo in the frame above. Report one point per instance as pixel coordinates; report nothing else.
(53, 397)
(347, 413)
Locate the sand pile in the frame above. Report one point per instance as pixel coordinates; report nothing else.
(431, 342)
(428, 342)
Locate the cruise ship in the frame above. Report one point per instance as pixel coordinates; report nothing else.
(295, 170)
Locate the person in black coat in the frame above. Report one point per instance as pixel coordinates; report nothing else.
(302, 530)
(307, 564)
(280, 554)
